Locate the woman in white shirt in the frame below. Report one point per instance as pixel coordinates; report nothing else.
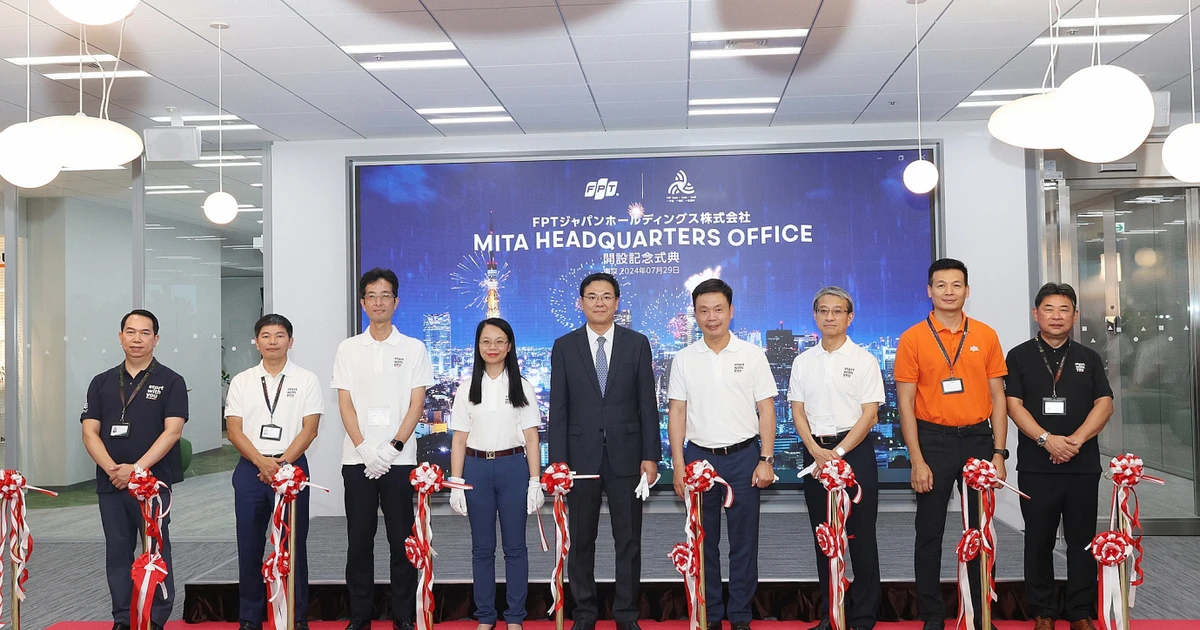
(495, 449)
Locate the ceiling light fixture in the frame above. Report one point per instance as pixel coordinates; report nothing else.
(187, 191)
(997, 103)
(1032, 122)
(469, 119)
(165, 187)
(97, 74)
(1092, 40)
(95, 12)
(415, 64)
(731, 111)
(220, 207)
(197, 118)
(59, 60)
(237, 127)
(716, 36)
(435, 111)
(764, 100)
(724, 53)
(383, 49)
(27, 158)
(1010, 92)
(226, 164)
(1181, 151)
(225, 156)
(1129, 20)
(920, 176)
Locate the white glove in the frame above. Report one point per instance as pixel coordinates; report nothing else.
(643, 488)
(458, 498)
(374, 467)
(535, 498)
(387, 453)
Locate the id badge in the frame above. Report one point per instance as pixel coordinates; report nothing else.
(1054, 406)
(952, 386)
(379, 416)
(272, 432)
(119, 431)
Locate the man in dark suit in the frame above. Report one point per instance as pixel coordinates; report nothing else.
(604, 420)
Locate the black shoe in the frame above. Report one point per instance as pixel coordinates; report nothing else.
(402, 624)
(935, 624)
(301, 624)
(824, 625)
(249, 625)
(583, 625)
(739, 625)
(628, 625)
(359, 625)
(120, 626)
(154, 626)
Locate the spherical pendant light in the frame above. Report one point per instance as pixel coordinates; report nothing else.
(220, 208)
(94, 12)
(27, 158)
(1107, 112)
(1033, 122)
(86, 143)
(1181, 153)
(920, 177)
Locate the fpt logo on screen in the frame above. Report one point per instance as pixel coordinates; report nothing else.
(601, 188)
(681, 190)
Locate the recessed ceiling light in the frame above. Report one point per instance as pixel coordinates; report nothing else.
(250, 209)
(97, 74)
(716, 36)
(765, 100)
(226, 164)
(99, 168)
(1010, 92)
(185, 191)
(983, 103)
(432, 111)
(226, 156)
(379, 49)
(1128, 20)
(415, 64)
(165, 187)
(1079, 40)
(731, 111)
(197, 118)
(258, 185)
(62, 59)
(470, 119)
(246, 127)
(721, 53)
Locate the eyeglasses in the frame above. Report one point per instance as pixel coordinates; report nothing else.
(592, 298)
(836, 312)
(488, 343)
(379, 297)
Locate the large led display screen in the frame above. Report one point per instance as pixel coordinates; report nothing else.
(514, 239)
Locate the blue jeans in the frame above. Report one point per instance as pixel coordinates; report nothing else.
(500, 486)
(742, 518)
(253, 506)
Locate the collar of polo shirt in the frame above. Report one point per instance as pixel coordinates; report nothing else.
(733, 346)
(845, 348)
(393, 339)
(259, 370)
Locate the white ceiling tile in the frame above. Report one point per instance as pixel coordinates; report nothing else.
(637, 71)
(596, 20)
(519, 51)
(186, 63)
(777, 67)
(635, 124)
(832, 118)
(481, 129)
(326, 58)
(514, 23)
(626, 92)
(823, 104)
(301, 126)
(223, 10)
(610, 48)
(736, 88)
(260, 32)
(723, 122)
(851, 64)
(734, 15)
(858, 39)
(648, 109)
(375, 99)
(876, 12)
(441, 5)
(390, 118)
(397, 131)
(316, 8)
(305, 83)
(549, 95)
(564, 126)
(534, 75)
(553, 113)
(804, 85)
(1009, 34)
(401, 27)
(403, 82)
(999, 12)
(477, 97)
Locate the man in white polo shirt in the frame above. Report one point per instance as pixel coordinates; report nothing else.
(272, 412)
(722, 401)
(380, 377)
(836, 388)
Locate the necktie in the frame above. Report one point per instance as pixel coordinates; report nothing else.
(601, 364)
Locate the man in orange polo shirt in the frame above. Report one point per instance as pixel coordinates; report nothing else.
(950, 390)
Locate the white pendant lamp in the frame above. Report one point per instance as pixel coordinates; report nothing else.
(27, 158)
(94, 12)
(1033, 122)
(920, 176)
(220, 207)
(1181, 151)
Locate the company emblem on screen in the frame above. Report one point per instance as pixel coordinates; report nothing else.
(601, 188)
(681, 190)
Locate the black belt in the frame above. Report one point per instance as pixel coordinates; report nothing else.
(494, 454)
(979, 428)
(726, 450)
(277, 456)
(831, 440)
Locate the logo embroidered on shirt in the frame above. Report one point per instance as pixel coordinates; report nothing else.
(291, 392)
(1080, 367)
(974, 348)
(847, 372)
(398, 362)
(738, 367)
(152, 391)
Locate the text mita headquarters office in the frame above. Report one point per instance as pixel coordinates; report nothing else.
(599, 314)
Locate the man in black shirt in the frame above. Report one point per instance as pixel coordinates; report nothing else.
(133, 418)
(1059, 398)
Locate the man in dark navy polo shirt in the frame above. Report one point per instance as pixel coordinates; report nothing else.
(1059, 398)
(133, 417)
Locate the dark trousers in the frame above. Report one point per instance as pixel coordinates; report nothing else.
(253, 506)
(863, 596)
(364, 497)
(501, 486)
(121, 518)
(583, 520)
(742, 520)
(945, 453)
(1071, 498)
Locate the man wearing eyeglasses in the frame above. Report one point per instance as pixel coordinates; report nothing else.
(604, 420)
(836, 388)
(380, 377)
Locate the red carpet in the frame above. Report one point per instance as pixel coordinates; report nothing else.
(609, 625)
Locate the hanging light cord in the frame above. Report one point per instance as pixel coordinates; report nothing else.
(103, 80)
(120, 47)
(28, 58)
(220, 114)
(917, 35)
(1191, 61)
(1055, 16)
(1096, 37)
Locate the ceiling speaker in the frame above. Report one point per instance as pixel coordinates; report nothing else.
(172, 144)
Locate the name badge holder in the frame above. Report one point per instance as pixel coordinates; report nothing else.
(1053, 405)
(952, 385)
(271, 431)
(120, 430)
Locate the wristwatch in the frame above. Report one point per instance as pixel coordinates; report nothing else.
(841, 452)
(398, 445)
(770, 459)
(1002, 452)
(1041, 439)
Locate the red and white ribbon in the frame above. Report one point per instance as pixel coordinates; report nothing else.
(836, 476)
(149, 569)
(289, 480)
(14, 530)
(427, 479)
(1111, 549)
(557, 481)
(699, 477)
(982, 475)
(1127, 471)
(968, 549)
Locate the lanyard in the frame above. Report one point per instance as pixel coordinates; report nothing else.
(121, 387)
(1057, 375)
(961, 341)
(272, 406)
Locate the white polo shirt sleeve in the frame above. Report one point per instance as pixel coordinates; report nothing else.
(422, 374)
(233, 399)
(341, 366)
(460, 411)
(677, 385)
(796, 380)
(314, 400)
(764, 382)
(529, 416)
(872, 381)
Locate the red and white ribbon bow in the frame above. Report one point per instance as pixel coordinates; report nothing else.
(289, 480)
(150, 568)
(699, 477)
(968, 549)
(427, 479)
(982, 475)
(1111, 549)
(15, 530)
(836, 476)
(557, 481)
(1127, 471)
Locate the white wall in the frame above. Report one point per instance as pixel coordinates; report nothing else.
(241, 306)
(985, 226)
